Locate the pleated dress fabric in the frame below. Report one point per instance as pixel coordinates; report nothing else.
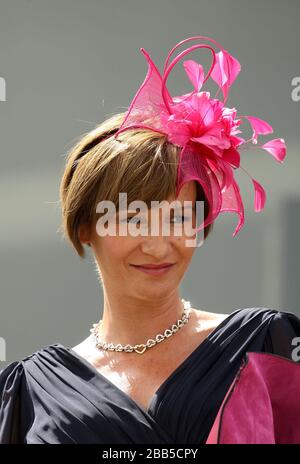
(56, 396)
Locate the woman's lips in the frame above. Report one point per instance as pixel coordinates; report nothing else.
(160, 271)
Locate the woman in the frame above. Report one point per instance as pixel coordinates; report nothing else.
(176, 364)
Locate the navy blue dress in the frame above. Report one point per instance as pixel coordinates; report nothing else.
(56, 396)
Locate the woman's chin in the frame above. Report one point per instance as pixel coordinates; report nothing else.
(153, 291)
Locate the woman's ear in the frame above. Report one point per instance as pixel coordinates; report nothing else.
(83, 234)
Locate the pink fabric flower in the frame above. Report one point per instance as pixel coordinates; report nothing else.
(205, 129)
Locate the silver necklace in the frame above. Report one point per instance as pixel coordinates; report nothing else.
(140, 349)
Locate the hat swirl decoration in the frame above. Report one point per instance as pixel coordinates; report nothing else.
(204, 127)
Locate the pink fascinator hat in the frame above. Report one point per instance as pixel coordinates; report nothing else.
(208, 132)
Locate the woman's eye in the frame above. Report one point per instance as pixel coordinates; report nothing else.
(133, 219)
(138, 220)
(182, 218)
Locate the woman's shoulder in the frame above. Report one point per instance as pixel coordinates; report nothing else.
(12, 372)
(239, 315)
(17, 400)
(271, 330)
(283, 335)
(209, 316)
(248, 312)
(279, 318)
(279, 323)
(11, 377)
(16, 409)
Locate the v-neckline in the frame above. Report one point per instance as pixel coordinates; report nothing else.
(163, 385)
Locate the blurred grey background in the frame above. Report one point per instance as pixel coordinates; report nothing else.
(69, 64)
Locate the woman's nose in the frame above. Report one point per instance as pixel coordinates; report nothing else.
(158, 246)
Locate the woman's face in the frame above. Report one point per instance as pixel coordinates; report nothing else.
(117, 255)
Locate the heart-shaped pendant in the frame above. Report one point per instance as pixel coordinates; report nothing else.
(136, 349)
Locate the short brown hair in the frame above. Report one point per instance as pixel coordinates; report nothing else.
(140, 162)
